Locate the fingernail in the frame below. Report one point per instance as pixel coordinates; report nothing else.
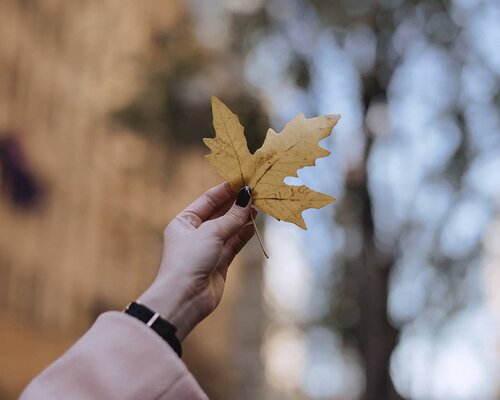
(243, 197)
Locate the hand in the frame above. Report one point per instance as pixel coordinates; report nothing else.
(199, 245)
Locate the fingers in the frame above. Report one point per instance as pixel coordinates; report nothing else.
(228, 224)
(234, 245)
(207, 204)
(222, 209)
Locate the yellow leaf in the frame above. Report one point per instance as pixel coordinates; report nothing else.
(281, 155)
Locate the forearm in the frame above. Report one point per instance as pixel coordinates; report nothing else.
(118, 358)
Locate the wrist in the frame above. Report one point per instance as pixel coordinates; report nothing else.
(171, 300)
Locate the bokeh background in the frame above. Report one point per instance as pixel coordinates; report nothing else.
(392, 293)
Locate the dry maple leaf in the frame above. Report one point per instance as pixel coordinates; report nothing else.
(281, 155)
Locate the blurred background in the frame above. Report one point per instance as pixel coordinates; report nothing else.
(392, 293)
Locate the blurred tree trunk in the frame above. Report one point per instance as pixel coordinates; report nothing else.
(369, 275)
(380, 338)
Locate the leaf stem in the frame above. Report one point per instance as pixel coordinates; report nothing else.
(258, 236)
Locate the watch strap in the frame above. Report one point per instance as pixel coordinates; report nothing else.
(153, 319)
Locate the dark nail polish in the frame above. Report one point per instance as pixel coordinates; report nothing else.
(243, 197)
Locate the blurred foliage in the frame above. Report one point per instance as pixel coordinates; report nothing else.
(167, 109)
(174, 107)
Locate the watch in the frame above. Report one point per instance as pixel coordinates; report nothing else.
(153, 319)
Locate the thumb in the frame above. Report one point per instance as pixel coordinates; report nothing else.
(227, 225)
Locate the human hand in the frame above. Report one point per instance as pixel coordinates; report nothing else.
(198, 247)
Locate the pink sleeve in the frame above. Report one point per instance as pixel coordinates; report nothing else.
(118, 358)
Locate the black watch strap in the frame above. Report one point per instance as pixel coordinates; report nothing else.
(153, 319)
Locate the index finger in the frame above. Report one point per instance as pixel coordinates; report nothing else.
(209, 202)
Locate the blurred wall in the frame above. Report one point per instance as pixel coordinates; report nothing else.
(91, 240)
